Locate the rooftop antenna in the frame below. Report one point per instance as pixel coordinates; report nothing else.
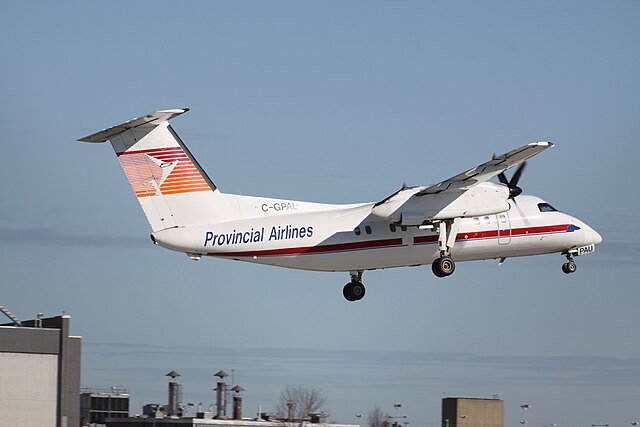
(10, 315)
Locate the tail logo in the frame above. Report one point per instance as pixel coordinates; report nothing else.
(161, 171)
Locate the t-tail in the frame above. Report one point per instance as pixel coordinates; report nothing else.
(172, 188)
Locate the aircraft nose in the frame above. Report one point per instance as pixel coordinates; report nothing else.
(592, 236)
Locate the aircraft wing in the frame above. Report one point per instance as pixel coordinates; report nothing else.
(458, 196)
(487, 170)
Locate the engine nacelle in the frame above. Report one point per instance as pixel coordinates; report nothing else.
(482, 199)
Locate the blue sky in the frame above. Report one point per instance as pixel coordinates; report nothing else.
(330, 102)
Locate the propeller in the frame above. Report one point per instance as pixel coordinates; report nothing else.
(512, 184)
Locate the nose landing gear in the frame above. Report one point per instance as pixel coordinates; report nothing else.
(569, 266)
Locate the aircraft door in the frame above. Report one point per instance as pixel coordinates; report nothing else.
(504, 228)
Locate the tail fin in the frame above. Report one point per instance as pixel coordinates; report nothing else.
(170, 185)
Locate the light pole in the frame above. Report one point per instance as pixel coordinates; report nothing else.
(397, 415)
(525, 407)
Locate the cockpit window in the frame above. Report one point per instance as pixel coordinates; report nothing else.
(546, 207)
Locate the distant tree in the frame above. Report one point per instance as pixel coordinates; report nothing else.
(378, 418)
(303, 401)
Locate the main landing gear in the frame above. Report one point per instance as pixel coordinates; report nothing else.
(447, 231)
(354, 290)
(569, 266)
(443, 266)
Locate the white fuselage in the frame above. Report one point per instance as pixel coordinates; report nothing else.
(462, 218)
(324, 237)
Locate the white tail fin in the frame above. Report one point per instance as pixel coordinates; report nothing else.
(171, 187)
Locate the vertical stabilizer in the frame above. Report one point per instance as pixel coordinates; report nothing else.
(170, 185)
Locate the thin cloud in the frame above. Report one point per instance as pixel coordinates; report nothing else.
(47, 237)
(355, 364)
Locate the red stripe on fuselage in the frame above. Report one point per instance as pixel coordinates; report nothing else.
(387, 243)
(492, 234)
(337, 247)
(514, 232)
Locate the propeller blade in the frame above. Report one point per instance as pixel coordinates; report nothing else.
(503, 179)
(516, 176)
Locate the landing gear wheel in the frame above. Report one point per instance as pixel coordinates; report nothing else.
(435, 267)
(569, 267)
(443, 266)
(353, 291)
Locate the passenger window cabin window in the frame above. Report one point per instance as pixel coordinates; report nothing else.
(546, 207)
(357, 231)
(367, 229)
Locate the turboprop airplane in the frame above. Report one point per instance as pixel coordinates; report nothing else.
(462, 218)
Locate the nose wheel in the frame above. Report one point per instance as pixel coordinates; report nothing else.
(354, 290)
(569, 266)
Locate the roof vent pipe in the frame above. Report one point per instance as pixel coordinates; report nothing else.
(174, 394)
(237, 402)
(221, 396)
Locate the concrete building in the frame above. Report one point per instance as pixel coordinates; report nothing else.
(39, 372)
(202, 422)
(472, 412)
(97, 405)
(171, 415)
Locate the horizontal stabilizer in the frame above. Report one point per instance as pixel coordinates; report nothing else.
(152, 119)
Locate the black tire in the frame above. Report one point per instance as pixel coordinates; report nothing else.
(569, 267)
(353, 291)
(358, 290)
(443, 266)
(435, 267)
(346, 292)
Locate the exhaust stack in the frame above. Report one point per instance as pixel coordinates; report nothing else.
(237, 402)
(221, 396)
(175, 395)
